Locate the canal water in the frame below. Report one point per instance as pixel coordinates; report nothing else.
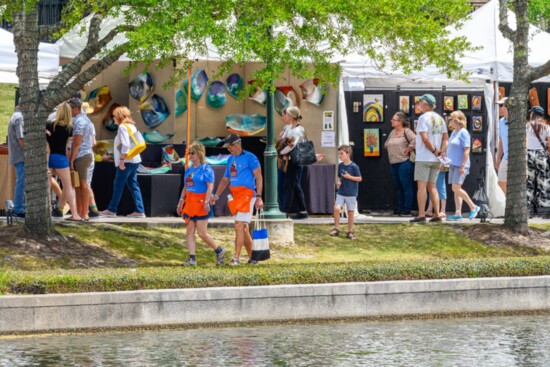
(469, 342)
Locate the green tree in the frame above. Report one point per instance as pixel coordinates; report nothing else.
(303, 35)
(516, 214)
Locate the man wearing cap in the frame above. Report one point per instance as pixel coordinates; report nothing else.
(16, 158)
(81, 154)
(431, 144)
(501, 159)
(244, 176)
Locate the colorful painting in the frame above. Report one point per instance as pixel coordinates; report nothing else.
(477, 145)
(417, 110)
(476, 103)
(462, 101)
(448, 121)
(477, 124)
(373, 108)
(448, 103)
(372, 142)
(405, 104)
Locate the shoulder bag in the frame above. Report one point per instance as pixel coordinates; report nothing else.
(137, 143)
(412, 155)
(303, 153)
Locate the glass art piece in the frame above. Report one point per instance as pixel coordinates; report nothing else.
(476, 103)
(170, 156)
(217, 160)
(462, 101)
(285, 96)
(154, 111)
(99, 98)
(141, 87)
(215, 96)
(245, 125)
(154, 171)
(108, 121)
(234, 85)
(259, 95)
(181, 102)
(199, 79)
(372, 142)
(154, 137)
(210, 141)
(373, 108)
(313, 91)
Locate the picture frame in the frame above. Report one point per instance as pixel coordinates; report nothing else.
(373, 108)
(477, 124)
(476, 103)
(462, 101)
(477, 145)
(448, 103)
(371, 138)
(405, 104)
(416, 106)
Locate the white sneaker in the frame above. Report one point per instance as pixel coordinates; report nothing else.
(136, 215)
(107, 213)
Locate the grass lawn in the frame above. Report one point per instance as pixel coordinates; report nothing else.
(7, 105)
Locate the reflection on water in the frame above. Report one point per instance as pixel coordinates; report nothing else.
(492, 341)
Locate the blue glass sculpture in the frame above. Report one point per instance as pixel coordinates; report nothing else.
(181, 102)
(215, 96)
(141, 87)
(219, 159)
(154, 111)
(234, 84)
(210, 142)
(154, 137)
(245, 125)
(198, 84)
(99, 98)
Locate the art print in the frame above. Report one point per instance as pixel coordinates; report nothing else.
(462, 101)
(373, 108)
(448, 103)
(477, 124)
(417, 110)
(476, 103)
(372, 142)
(405, 104)
(477, 145)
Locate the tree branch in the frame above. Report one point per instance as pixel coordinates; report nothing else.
(48, 30)
(540, 71)
(503, 25)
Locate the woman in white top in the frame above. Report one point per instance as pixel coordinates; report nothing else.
(538, 170)
(293, 192)
(126, 173)
(281, 172)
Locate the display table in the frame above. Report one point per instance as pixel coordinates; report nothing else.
(7, 181)
(318, 183)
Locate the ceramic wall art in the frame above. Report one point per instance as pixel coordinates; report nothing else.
(285, 96)
(372, 142)
(313, 91)
(154, 137)
(258, 95)
(217, 160)
(215, 95)
(99, 98)
(181, 102)
(199, 79)
(405, 104)
(154, 171)
(245, 125)
(141, 87)
(462, 101)
(170, 156)
(234, 85)
(108, 121)
(154, 111)
(373, 108)
(210, 141)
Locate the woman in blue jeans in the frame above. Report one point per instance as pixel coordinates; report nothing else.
(126, 173)
(400, 144)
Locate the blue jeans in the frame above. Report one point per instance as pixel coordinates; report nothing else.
(19, 190)
(441, 186)
(403, 179)
(127, 177)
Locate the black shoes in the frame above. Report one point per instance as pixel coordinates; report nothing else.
(299, 216)
(93, 214)
(56, 213)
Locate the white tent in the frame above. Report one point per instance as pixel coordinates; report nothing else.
(48, 59)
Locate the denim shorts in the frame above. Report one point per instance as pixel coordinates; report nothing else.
(350, 201)
(58, 161)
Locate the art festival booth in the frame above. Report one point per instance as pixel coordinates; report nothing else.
(369, 97)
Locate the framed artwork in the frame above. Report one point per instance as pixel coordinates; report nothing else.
(501, 93)
(477, 124)
(476, 103)
(373, 108)
(448, 121)
(416, 107)
(405, 104)
(372, 142)
(462, 101)
(477, 145)
(448, 103)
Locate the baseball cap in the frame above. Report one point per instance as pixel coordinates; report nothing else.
(538, 110)
(430, 99)
(231, 139)
(502, 100)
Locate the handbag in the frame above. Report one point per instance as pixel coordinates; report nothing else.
(412, 155)
(137, 143)
(303, 153)
(75, 179)
(260, 240)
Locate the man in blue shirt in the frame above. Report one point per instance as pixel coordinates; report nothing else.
(501, 159)
(16, 157)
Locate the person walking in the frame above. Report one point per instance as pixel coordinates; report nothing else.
(194, 203)
(501, 159)
(538, 170)
(16, 158)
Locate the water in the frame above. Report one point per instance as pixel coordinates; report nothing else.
(471, 342)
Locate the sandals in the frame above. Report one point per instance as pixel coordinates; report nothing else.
(351, 236)
(334, 232)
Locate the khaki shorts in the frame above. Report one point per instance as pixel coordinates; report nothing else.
(426, 171)
(503, 171)
(82, 164)
(246, 217)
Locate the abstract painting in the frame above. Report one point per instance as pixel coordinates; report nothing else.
(373, 108)
(477, 124)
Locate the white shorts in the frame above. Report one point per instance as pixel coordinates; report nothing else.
(246, 217)
(503, 171)
(350, 201)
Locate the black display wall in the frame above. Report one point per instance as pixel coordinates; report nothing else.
(376, 190)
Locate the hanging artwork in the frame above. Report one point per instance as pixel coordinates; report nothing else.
(234, 85)
(181, 102)
(501, 93)
(154, 111)
(476, 103)
(107, 119)
(477, 145)
(405, 104)
(373, 108)
(448, 103)
(215, 96)
(154, 137)
(533, 97)
(210, 141)
(462, 101)
(372, 142)
(141, 87)
(448, 120)
(285, 96)
(245, 125)
(259, 95)
(313, 91)
(199, 79)
(477, 124)
(170, 156)
(417, 110)
(99, 98)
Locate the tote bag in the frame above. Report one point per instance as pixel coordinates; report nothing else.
(260, 240)
(303, 153)
(137, 143)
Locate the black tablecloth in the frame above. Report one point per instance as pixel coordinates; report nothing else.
(319, 188)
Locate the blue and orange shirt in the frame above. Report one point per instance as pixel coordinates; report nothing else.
(240, 170)
(195, 179)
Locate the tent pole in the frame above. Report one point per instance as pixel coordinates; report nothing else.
(188, 138)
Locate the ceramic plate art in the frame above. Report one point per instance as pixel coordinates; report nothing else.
(154, 137)
(245, 125)
(154, 111)
(198, 84)
(181, 102)
(215, 95)
(170, 155)
(234, 85)
(259, 95)
(217, 160)
(141, 87)
(99, 98)
(210, 141)
(108, 121)
(285, 96)
(313, 92)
